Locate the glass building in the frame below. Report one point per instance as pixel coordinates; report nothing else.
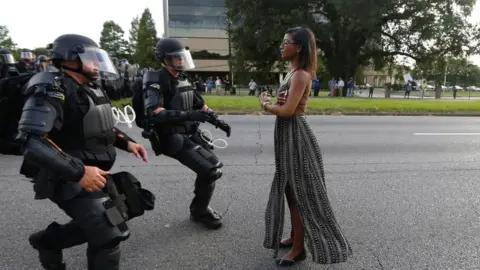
(197, 19)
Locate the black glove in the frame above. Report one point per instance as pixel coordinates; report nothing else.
(199, 116)
(223, 126)
(212, 114)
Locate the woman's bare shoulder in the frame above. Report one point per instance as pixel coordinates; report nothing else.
(302, 74)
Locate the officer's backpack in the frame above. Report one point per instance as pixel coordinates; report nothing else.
(138, 103)
(11, 104)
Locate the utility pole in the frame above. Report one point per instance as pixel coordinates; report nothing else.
(229, 51)
(445, 74)
(165, 19)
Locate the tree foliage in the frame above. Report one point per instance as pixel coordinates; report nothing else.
(41, 51)
(112, 40)
(458, 71)
(352, 33)
(204, 54)
(5, 39)
(146, 40)
(132, 38)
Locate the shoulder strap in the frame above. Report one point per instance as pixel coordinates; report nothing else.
(289, 75)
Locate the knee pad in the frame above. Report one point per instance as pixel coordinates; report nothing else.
(103, 223)
(208, 156)
(197, 158)
(106, 258)
(213, 175)
(44, 238)
(175, 144)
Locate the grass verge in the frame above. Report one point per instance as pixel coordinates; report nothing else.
(247, 105)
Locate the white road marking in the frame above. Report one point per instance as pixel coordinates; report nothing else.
(446, 134)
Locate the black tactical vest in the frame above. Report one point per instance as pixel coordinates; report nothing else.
(182, 98)
(87, 132)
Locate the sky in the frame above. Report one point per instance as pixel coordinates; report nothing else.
(43, 21)
(87, 19)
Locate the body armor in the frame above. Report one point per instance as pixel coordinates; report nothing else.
(182, 100)
(98, 135)
(183, 97)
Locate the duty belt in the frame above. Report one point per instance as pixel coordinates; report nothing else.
(186, 128)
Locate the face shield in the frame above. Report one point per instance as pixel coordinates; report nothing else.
(7, 59)
(180, 60)
(98, 61)
(26, 55)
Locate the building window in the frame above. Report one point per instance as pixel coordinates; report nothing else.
(197, 3)
(198, 22)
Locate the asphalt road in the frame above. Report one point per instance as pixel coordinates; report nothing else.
(380, 93)
(404, 201)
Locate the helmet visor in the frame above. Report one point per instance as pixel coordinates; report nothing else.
(98, 60)
(7, 58)
(26, 55)
(181, 60)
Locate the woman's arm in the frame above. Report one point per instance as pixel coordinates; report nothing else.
(298, 84)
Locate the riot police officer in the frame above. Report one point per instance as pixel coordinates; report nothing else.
(42, 64)
(7, 64)
(175, 109)
(67, 129)
(26, 63)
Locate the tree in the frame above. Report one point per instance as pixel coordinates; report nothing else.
(112, 41)
(133, 37)
(41, 51)
(458, 71)
(5, 39)
(146, 41)
(353, 33)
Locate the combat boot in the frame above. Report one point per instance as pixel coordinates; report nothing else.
(50, 259)
(209, 218)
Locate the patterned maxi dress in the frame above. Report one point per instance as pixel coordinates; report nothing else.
(298, 164)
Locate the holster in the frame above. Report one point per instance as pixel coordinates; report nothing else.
(136, 199)
(155, 142)
(150, 134)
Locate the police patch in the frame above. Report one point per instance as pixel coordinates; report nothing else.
(56, 94)
(155, 85)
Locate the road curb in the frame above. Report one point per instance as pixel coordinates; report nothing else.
(360, 114)
(365, 114)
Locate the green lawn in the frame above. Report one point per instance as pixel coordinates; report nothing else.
(235, 104)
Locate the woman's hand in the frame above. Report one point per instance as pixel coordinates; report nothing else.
(264, 98)
(281, 100)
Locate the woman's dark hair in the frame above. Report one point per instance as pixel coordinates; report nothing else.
(304, 37)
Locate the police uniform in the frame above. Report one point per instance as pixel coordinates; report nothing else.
(176, 127)
(7, 64)
(80, 128)
(26, 62)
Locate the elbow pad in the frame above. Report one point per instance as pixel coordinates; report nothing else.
(40, 152)
(122, 139)
(169, 116)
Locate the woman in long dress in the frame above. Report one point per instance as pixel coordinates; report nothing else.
(299, 173)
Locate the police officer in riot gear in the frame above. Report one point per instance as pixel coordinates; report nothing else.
(67, 129)
(7, 64)
(26, 63)
(41, 65)
(175, 109)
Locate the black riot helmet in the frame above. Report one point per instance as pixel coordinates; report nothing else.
(27, 55)
(6, 63)
(6, 57)
(42, 58)
(172, 53)
(79, 48)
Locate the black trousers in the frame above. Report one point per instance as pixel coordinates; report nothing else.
(90, 225)
(186, 149)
